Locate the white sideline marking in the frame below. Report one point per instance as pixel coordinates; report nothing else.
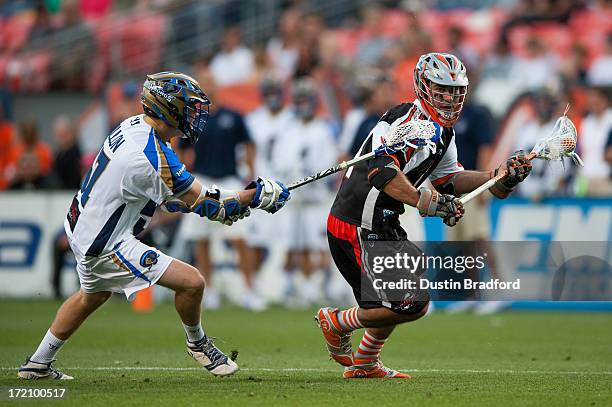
(286, 370)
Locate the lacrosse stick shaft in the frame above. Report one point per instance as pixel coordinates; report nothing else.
(332, 170)
(468, 197)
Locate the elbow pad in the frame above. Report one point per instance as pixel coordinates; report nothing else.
(217, 204)
(382, 170)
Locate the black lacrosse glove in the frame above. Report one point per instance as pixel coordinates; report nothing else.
(447, 207)
(517, 167)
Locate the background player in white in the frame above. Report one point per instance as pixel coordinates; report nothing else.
(135, 171)
(215, 161)
(306, 146)
(265, 124)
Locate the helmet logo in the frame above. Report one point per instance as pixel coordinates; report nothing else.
(158, 90)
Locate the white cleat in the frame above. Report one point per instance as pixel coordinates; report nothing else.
(491, 307)
(254, 302)
(31, 370)
(209, 356)
(212, 299)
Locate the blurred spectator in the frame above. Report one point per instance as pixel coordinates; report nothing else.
(67, 165)
(42, 26)
(574, 67)
(380, 98)
(499, 63)
(358, 92)
(546, 178)
(234, 62)
(261, 65)
(283, 50)
(74, 49)
(308, 47)
(214, 161)
(127, 103)
(460, 48)
(30, 143)
(600, 73)
(29, 175)
(592, 142)
(6, 152)
(305, 148)
(529, 12)
(538, 68)
(412, 43)
(374, 44)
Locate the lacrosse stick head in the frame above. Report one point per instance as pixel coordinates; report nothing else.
(412, 134)
(561, 143)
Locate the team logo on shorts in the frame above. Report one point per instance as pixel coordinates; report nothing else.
(149, 258)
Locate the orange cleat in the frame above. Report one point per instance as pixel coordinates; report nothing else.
(376, 371)
(338, 342)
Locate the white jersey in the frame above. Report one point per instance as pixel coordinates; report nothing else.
(265, 129)
(134, 172)
(302, 150)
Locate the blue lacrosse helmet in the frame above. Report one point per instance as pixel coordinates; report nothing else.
(178, 100)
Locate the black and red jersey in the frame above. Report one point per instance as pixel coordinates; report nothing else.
(359, 203)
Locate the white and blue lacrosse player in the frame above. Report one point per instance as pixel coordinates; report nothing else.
(135, 172)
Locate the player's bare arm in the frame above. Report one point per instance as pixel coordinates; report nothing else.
(517, 168)
(401, 189)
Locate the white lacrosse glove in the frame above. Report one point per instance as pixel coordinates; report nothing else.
(447, 207)
(270, 196)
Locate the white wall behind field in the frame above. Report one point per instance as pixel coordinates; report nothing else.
(29, 223)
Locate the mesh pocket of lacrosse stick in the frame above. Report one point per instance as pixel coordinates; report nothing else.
(561, 143)
(414, 133)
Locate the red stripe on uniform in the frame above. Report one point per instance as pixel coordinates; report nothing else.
(345, 231)
(408, 153)
(442, 180)
(410, 114)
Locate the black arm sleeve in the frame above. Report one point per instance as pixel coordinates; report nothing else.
(383, 169)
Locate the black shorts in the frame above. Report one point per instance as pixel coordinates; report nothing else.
(348, 247)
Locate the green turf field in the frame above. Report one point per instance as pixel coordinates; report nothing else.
(507, 359)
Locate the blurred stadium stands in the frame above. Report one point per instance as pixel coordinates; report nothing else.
(87, 59)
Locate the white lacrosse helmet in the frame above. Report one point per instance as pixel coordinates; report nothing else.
(441, 84)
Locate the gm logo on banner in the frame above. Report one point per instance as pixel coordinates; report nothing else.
(19, 244)
(561, 219)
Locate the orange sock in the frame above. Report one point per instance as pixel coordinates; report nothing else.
(369, 349)
(348, 319)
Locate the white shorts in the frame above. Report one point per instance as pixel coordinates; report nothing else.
(263, 228)
(305, 227)
(130, 268)
(194, 227)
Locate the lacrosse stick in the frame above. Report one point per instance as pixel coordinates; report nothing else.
(414, 133)
(561, 143)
